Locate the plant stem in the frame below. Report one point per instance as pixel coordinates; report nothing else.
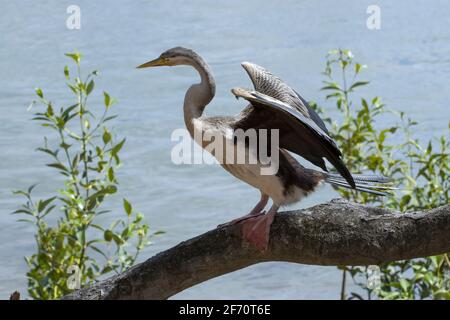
(343, 284)
(69, 161)
(81, 105)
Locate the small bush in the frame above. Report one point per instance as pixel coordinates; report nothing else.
(421, 172)
(76, 250)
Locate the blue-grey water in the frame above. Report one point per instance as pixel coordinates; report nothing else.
(409, 66)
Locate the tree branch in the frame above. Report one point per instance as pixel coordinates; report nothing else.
(335, 233)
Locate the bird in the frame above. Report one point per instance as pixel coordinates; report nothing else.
(272, 105)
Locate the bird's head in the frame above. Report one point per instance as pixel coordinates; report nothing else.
(172, 57)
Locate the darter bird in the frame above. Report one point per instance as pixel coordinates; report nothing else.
(273, 105)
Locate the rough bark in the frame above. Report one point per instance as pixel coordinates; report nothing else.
(335, 233)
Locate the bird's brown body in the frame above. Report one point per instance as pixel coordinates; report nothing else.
(273, 106)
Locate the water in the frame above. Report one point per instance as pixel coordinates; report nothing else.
(409, 66)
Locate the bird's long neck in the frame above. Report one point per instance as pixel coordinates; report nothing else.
(198, 95)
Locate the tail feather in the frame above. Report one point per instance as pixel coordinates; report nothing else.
(373, 184)
(365, 177)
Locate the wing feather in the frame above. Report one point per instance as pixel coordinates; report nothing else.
(269, 84)
(298, 133)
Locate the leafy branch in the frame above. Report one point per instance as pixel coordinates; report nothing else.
(421, 174)
(86, 154)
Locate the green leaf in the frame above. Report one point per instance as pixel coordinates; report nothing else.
(364, 104)
(31, 188)
(331, 86)
(73, 88)
(57, 166)
(106, 136)
(108, 235)
(127, 206)
(333, 52)
(117, 239)
(26, 220)
(66, 112)
(49, 112)
(24, 211)
(66, 72)
(100, 251)
(429, 148)
(332, 95)
(117, 147)
(90, 87)
(111, 174)
(41, 119)
(76, 56)
(107, 100)
(109, 118)
(347, 53)
(75, 161)
(107, 269)
(65, 146)
(49, 209)
(39, 92)
(358, 84)
(110, 189)
(359, 67)
(404, 284)
(96, 226)
(43, 204)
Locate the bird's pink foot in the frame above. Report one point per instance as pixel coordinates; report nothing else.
(241, 219)
(256, 231)
(256, 211)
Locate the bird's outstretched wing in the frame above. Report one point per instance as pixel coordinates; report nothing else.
(267, 83)
(297, 132)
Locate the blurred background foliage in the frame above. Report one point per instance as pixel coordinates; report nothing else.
(420, 169)
(73, 249)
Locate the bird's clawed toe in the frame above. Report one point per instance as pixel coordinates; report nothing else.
(256, 231)
(241, 219)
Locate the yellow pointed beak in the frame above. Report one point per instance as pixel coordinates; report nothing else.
(159, 62)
